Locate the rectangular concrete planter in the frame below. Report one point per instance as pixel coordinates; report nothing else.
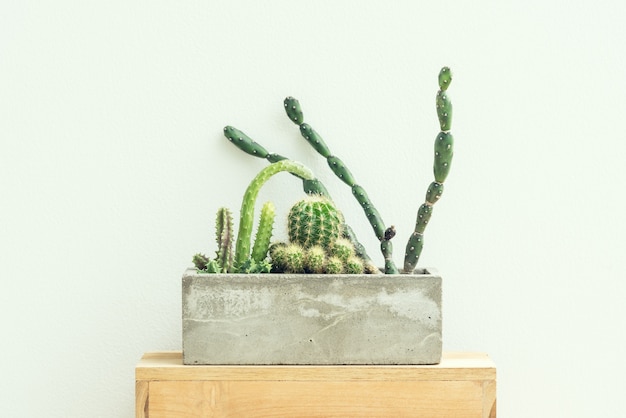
(311, 319)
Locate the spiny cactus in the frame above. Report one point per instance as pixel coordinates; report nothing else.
(310, 186)
(242, 249)
(314, 221)
(264, 232)
(294, 258)
(334, 265)
(224, 238)
(294, 112)
(315, 259)
(441, 167)
(223, 262)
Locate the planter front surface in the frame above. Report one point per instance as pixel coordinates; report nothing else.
(311, 319)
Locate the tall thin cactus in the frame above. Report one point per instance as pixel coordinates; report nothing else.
(444, 150)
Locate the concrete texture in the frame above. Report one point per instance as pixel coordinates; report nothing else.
(311, 319)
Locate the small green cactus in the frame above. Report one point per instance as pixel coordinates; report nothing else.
(200, 261)
(444, 151)
(343, 249)
(354, 265)
(294, 258)
(315, 259)
(264, 233)
(314, 221)
(334, 265)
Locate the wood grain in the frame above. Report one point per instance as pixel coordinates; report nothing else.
(462, 386)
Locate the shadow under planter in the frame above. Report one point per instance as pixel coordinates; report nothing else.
(311, 319)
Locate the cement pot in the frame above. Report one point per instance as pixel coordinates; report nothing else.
(311, 319)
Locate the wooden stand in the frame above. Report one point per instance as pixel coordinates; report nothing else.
(462, 386)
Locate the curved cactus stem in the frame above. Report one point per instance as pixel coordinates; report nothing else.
(242, 250)
(264, 232)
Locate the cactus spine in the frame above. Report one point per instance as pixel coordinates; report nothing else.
(441, 167)
(294, 112)
(242, 249)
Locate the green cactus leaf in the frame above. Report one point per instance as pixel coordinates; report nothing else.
(434, 192)
(444, 151)
(314, 139)
(315, 187)
(294, 112)
(445, 78)
(444, 110)
(423, 216)
(244, 142)
(413, 250)
(274, 158)
(340, 170)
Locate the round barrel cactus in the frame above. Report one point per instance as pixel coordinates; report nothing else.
(314, 220)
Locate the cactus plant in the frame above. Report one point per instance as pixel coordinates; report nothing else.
(224, 238)
(292, 107)
(310, 186)
(320, 240)
(444, 151)
(314, 221)
(242, 249)
(264, 232)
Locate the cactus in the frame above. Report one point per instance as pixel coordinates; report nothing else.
(242, 249)
(315, 226)
(315, 259)
(294, 258)
(310, 186)
(294, 112)
(200, 261)
(441, 167)
(354, 265)
(334, 265)
(314, 221)
(224, 238)
(264, 233)
(343, 249)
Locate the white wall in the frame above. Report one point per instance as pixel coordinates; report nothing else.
(112, 165)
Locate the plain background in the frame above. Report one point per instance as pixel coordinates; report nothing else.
(112, 165)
